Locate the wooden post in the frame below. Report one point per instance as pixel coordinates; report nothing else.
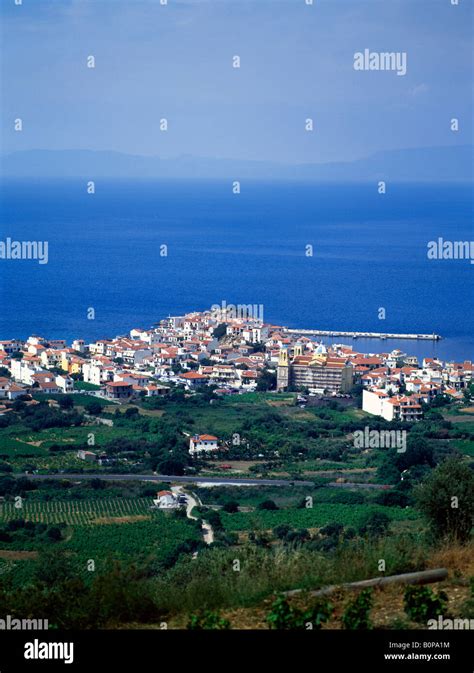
(423, 577)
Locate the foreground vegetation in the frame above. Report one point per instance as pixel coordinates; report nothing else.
(94, 554)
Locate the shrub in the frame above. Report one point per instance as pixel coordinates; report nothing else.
(54, 534)
(267, 505)
(422, 604)
(131, 412)
(332, 529)
(375, 524)
(435, 496)
(93, 408)
(214, 520)
(356, 615)
(284, 617)
(66, 402)
(231, 507)
(393, 498)
(171, 466)
(206, 620)
(320, 613)
(281, 531)
(300, 535)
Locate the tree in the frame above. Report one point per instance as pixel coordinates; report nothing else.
(214, 520)
(53, 567)
(419, 452)
(298, 536)
(171, 466)
(332, 529)
(97, 484)
(267, 380)
(440, 401)
(446, 498)
(18, 406)
(375, 525)
(387, 471)
(54, 534)
(66, 402)
(267, 505)
(231, 507)
(395, 498)
(94, 408)
(281, 531)
(131, 412)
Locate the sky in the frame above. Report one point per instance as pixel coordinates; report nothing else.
(174, 61)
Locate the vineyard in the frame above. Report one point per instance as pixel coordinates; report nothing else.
(76, 512)
(155, 540)
(315, 517)
(102, 530)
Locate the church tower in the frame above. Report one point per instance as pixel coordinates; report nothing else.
(283, 370)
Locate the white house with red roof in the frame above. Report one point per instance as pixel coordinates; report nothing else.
(200, 443)
(193, 379)
(165, 500)
(398, 407)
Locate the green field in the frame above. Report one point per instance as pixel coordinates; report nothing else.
(102, 531)
(465, 446)
(77, 512)
(153, 540)
(79, 398)
(316, 517)
(69, 437)
(82, 385)
(9, 445)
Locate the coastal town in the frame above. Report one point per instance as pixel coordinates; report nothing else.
(234, 353)
(215, 438)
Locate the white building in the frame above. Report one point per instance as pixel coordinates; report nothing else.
(89, 456)
(23, 371)
(373, 402)
(199, 443)
(65, 383)
(399, 407)
(96, 373)
(166, 500)
(135, 356)
(395, 359)
(79, 345)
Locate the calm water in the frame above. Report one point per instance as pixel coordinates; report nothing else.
(369, 251)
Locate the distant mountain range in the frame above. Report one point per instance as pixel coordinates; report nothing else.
(426, 164)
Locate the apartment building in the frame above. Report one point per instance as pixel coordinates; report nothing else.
(320, 371)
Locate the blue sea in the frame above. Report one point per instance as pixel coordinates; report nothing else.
(369, 252)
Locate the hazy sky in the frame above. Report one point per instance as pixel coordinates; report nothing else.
(175, 61)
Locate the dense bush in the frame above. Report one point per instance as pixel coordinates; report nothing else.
(21, 531)
(446, 497)
(269, 505)
(375, 524)
(422, 604)
(231, 506)
(282, 616)
(41, 416)
(357, 613)
(207, 620)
